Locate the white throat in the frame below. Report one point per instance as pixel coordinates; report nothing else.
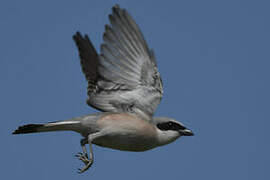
(166, 137)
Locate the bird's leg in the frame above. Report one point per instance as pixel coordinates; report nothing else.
(83, 156)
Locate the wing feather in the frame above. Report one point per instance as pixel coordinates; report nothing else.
(124, 76)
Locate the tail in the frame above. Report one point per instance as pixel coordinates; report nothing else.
(69, 125)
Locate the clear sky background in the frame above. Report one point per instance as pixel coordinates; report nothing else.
(214, 60)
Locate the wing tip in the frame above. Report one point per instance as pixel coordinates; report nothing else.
(77, 36)
(116, 6)
(117, 10)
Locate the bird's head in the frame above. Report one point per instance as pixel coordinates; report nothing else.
(169, 130)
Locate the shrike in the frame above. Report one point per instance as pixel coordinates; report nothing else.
(123, 83)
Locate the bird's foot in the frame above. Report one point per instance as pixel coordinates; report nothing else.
(84, 158)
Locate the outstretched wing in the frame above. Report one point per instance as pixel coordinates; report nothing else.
(124, 77)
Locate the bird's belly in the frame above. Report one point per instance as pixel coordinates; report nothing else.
(126, 142)
(126, 132)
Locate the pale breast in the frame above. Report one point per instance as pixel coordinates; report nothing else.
(126, 132)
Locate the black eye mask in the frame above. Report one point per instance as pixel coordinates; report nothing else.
(170, 126)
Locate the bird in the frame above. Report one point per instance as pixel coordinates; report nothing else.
(124, 84)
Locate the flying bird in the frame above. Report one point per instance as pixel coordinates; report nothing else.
(125, 85)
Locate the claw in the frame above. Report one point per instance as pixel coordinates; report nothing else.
(78, 155)
(84, 158)
(87, 166)
(79, 171)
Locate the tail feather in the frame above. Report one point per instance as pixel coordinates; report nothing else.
(53, 126)
(29, 128)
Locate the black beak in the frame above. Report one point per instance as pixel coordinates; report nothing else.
(186, 132)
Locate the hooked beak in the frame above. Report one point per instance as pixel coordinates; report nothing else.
(186, 132)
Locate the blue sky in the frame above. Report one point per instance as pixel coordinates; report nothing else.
(214, 60)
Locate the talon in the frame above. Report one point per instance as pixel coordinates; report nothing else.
(86, 161)
(79, 171)
(78, 154)
(85, 168)
(83, 157)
